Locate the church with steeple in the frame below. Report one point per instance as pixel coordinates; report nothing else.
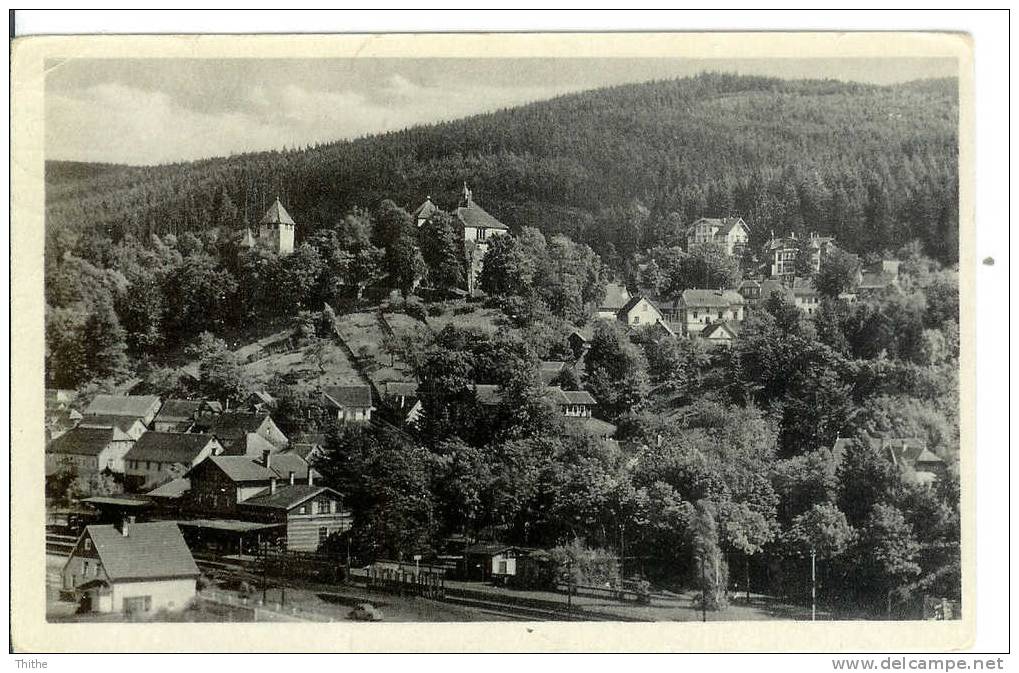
(478, 229)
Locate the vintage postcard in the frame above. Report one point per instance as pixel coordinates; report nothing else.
(529, 342)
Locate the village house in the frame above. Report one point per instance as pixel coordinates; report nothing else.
(699, 308)
(574, 403)
(729, 233)
(912, 454)
(142, 407)
(616, 297)
(719, 333)
(87, 453)
(351, 403)
(311, 514)
(261, 402)
(402, 399)
(641, 312)
(159, 457)
(755, 292)
(242, 433)
(180, 415)
(60, 415)
(131, 568)
(782, 253)
(219, 483)
(878, 276)
(125, 428)
(805, 295)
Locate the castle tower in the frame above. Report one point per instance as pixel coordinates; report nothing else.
(277, 229)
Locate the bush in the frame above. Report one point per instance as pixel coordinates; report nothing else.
(436, 310)
(415, 309)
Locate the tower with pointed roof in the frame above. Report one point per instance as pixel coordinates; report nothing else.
(277, 229)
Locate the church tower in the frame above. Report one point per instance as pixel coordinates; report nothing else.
(277, 229)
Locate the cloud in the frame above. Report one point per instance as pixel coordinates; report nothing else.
(115, 122)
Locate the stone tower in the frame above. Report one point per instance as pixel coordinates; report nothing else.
(277, 229)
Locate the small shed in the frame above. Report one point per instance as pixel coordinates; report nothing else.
(490, 561)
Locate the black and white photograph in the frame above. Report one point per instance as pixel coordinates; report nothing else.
(351, 339)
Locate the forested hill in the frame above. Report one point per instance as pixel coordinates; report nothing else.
(620, 168)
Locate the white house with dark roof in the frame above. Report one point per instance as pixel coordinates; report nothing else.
(699, 308)
(574, 403)
(805, 295)
(424, 212)
(729, 233)
(159, 457)
(88, 452)
(143, 407)
(616, 297)
(131, 568)
(351, 403)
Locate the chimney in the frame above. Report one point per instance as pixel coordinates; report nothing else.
(267, 458)
(272, 486)
(292, 477)
(311, 477)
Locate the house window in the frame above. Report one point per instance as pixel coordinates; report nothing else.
(332, 507)
(636, 320)
(84, 568)
(323, 507)
(695, 315)
(720, 315)
(98, 569)
(323, 533)
(88, 544)
(482, 234)
(137, 604)
(502, 567)
(303, 509)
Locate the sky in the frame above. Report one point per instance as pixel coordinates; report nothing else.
(154, 111)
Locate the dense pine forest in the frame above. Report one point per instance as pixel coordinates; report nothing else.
(618, 169)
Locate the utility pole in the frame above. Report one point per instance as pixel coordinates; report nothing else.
(813, 585)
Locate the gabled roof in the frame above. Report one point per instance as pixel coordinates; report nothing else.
(633, 301)
(248, 444)
(616, 297)
(711, 298)
(400, 388)
(574, 397)
(81, 442)
(346, 397)
(174, 411)
(425, 210)
(473, 215)
(287, 496)
(171, 489)
(730, 223)
(592, 426)
(122, 423)
(246, 468)
(804, 287)
(231, 423)
(909, 451)
(722, 326)
(277, 214)
(122, 405)
(488, 548)
(770, 287)
(149, 551)
(262, 397)
(168, 447)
